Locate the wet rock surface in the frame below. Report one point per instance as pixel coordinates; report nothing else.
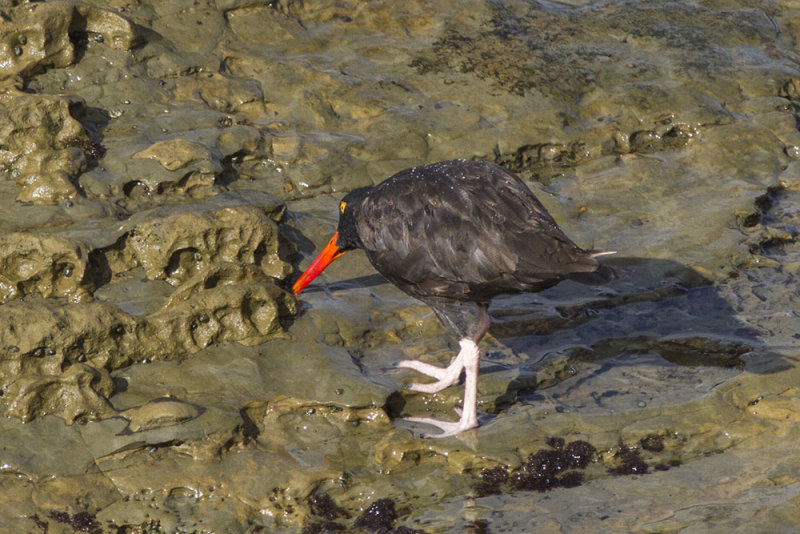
(164, 168)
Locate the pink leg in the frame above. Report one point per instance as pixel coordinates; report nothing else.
(468, 359)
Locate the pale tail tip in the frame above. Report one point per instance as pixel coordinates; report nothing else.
(602, 253)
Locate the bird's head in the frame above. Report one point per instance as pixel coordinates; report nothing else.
(346, 238)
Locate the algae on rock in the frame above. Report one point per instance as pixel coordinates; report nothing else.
(42, 264)
(185, 240)
(43, 341)
(37, 134)
(35, 36)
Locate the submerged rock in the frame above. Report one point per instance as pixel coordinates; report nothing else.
(159, 413)
(284, 420)
(175, 154)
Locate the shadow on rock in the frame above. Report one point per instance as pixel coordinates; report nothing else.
(660, 328)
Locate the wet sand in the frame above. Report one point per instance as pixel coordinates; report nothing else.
(167, 168)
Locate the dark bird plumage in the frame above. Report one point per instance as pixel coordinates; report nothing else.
(455, 234)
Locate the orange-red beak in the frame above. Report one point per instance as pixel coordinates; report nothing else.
(328, 254)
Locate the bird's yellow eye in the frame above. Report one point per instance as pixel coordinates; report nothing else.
(342, 206)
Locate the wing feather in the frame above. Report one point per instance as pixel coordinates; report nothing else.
(466, 230)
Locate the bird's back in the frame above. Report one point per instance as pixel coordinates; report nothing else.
(465, 230)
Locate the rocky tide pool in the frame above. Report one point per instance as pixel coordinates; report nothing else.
(167, 168)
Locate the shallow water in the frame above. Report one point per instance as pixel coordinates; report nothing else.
(167, 165)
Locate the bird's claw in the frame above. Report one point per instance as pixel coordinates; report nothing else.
(448, 428)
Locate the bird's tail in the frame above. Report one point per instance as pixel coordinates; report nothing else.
(602, 275)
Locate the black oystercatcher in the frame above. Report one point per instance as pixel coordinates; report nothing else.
(454, 234)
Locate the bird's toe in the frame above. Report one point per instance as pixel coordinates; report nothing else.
(433, 387)
(448, 428)
(424, 368)
(445, 376)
